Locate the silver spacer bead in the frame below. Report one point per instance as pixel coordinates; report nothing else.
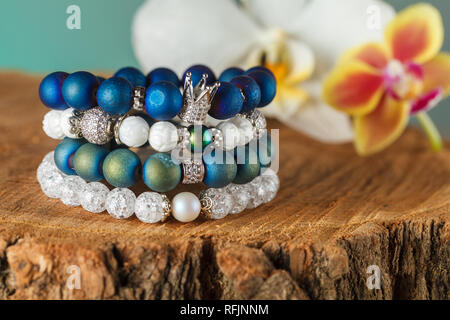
(97, 126)
(257, 120)
(193, 171)
(139, 98)
(75, 123)
(117, 124)
(196, 101)
(167, 207)
(207, 203)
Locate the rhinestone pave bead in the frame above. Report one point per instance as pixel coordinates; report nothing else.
(216, 203)
(120, 203)
(152, 207)
(257, 120)
(96, 126)
(93, 197)
(139, 98)
(193, 171)
(71, 189)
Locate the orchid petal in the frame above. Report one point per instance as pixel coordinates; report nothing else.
(378, 129)
(315, 118)
(354, 87)
(330, 27)
(275, 14)
(301, 60)
(427, 101)
(373, 53)
(177, 34)
(416, 34)
(436, 73)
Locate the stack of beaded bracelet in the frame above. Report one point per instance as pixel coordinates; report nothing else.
(92, 136)
(152, 207)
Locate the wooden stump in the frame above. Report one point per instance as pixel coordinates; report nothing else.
(335, 215)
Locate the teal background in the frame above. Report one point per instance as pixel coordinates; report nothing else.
(34, 38)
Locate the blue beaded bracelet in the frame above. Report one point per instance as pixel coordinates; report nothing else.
(129, 90)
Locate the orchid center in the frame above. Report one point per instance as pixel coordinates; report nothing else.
(403, 80)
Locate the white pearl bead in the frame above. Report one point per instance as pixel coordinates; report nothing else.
(51, 124)
(133, 131)
(246, 130)
(231, 134)
(65, 123)
(163, 136)
(185, 207)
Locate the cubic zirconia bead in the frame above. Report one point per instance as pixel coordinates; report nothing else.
(193, 171)
(71, 189)
(120, 203)
(93, 197)
(240, 196)
(149, 207)
(257, 120)
(97, 126)
(216, 203)
(139, 98)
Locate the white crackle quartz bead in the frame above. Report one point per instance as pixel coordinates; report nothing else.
(246, 130)
(163, 136)
(257, 192)
(71, 189)
(120, 203)
(222, 202)
(240, 195)
(93, 198)
(133, 131)
(65, 123)
(50, 181)
(51, 124)
(185, 207)
(231, 134)
(149, 207)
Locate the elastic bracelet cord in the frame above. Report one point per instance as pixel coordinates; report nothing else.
(152, 207)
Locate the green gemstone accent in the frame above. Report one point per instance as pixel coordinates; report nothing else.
(200, 137)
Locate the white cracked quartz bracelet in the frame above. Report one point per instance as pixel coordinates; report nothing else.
(152, 207)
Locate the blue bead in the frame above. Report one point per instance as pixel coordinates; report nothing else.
(115, 96)
(230, 73)
(136, 77)
(220, 168)
(163, 100)
(248, 165)
(79, 90)
(162, 74)
(251, 92)
(267, 84)
(197, 72)
(227, 102)
(64, 153)
(50, 90)
(259, 68)
(88, 160)
(161, 173)
(122, 168)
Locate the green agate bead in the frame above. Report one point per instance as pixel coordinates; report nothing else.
(161, 173)
(200, 138)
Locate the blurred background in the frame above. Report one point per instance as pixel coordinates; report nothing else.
(34, 38)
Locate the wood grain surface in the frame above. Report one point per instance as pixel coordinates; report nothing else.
(335, 215)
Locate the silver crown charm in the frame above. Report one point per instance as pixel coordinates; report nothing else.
(196, 101)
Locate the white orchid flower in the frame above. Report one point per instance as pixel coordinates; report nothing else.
(299, 40)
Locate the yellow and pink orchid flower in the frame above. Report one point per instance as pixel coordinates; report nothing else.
(382, 84)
